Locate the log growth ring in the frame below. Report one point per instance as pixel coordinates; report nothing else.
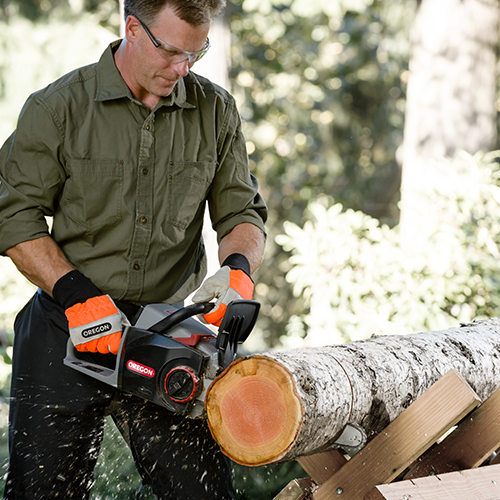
(254, 411)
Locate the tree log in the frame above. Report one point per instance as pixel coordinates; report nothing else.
(279, 406)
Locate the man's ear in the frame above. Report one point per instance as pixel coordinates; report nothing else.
(132, 27)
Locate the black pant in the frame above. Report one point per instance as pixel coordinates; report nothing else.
(57, 418)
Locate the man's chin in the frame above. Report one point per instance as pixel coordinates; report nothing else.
(166, 88)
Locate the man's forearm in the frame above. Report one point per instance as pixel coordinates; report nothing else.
(41, 261)
(246, 239)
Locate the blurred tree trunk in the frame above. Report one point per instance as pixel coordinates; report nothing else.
(450, 100)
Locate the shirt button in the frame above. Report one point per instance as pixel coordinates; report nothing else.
(144, 220)
(147, 127)
(137, 266)
(145, 171)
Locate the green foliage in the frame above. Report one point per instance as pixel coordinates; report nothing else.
(106, 13)
(265, 482)
(34, 54)
(358, 279)
(320, 86)
(323, 100)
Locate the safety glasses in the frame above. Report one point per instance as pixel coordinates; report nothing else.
(171, 53)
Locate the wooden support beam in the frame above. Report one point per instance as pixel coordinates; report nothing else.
(468, 446)
(443, 405)
(322, 466)
(473, 484)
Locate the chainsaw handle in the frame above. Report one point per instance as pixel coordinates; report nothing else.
(178, 316)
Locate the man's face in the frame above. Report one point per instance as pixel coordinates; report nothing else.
(154, 71)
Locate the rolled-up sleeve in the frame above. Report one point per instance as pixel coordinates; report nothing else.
(234, 196)
(31, 175)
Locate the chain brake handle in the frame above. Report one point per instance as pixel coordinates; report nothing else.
(239, 319)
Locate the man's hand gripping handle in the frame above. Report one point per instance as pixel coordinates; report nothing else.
(94, 321)
(231, 282)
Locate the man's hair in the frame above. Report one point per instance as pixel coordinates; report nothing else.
(193, 12)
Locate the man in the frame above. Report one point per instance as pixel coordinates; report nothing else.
(123, 154)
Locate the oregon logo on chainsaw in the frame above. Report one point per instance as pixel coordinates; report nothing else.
(96, 330)
(133, 366)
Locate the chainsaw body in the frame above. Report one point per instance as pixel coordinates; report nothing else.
(170, 358)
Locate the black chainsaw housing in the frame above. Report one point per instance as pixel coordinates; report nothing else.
(161, 354)
(167, 356)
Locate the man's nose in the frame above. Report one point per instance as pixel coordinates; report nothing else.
(181, 68)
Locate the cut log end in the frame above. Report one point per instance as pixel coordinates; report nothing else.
(254, 412)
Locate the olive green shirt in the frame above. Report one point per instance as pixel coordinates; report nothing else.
(127, 187)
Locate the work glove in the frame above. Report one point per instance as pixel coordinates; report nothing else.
(231, 282)
(95, 323)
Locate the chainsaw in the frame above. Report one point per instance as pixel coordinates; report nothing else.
(170, 358)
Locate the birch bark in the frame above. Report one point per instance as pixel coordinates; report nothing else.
(282, 405)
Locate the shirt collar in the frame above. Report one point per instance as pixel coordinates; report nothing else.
(110, 84)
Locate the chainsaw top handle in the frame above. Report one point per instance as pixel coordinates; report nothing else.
(180, 315)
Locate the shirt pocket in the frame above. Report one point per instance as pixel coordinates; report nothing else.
(92, 194)
(189, 183)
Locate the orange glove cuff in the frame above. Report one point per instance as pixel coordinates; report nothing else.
(240, 282)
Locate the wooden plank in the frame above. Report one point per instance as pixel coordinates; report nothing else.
(322, 466)
(403, 440)
(473, 484)
(297, 489)
(468, 446)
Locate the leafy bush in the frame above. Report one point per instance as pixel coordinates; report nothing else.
(358, 279)
(321, 88)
